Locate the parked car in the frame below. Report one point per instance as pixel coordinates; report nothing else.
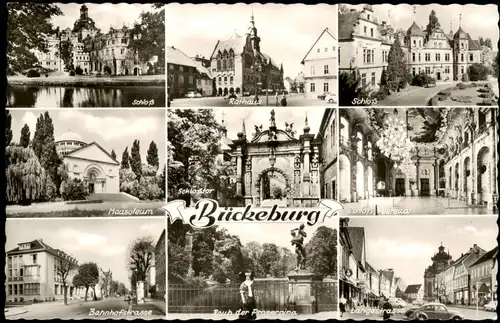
(231, 96)
(397, 302)
(433, 311)
(331, 98)
(491, 306)
(418, 302)
(193, 94)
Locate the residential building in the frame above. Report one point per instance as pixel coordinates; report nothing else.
(462, 288)
(160, 267)
(385, 285)
(364, 45)
(373, 282)
(480, 278)
(328, 150)
(320, 66)
(494, 272)
(182, 73)
(390, 281)
(414, 292)
(239, 66)
(289, 85)
(444, 283)
(204, 80)
(32, 272)
(347, 266)
(440, 261)
(151, 279)
(400, 287)
(357, 237)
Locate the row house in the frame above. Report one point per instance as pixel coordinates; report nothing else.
(481, 279)
(348, 264)
(462, 288)
(357, 236)
(494, 272)
(400, 287)
(328, 151)
(182, 73)
(373, 278)
(445, 284)
(414, 292)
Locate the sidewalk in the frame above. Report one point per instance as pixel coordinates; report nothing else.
(158, 304)
(21, 309)
(471, 307)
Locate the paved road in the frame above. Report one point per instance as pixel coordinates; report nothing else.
(292, 100)
(414, 95)
(84, 310)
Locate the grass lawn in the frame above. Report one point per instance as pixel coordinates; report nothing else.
(471, 95)
(76, 213)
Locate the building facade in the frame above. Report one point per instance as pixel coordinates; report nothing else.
(462, 288)
(357, 237)
(494, 272)
(160, 267)
(239, 66)
(440, 261)
(373, 282)
(348, 264)
(32, 273)
(328, 167)
(320, 66)
(90, 163)
(480, 278)
(182, 73)
(444, 284)
(414, 292)
(364, 45)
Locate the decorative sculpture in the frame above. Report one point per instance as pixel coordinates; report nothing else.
(298, 241)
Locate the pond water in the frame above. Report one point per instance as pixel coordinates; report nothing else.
(26, 96)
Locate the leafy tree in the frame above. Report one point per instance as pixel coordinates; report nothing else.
(135, 159)
(74, 190)
(203, 247)
(8, 128)
(87, 276)
(478, 72)
(178, 263)
(66, 266)
(148, 37)
(488, 43)
(152, 157)
(149, 189)
(25, 136)
(140, 258)
(66, 49)
(269, 257)
(121, 290)
(396, 68)
(252, 252)
(29, 25)
(113, 154)
(433, 23)
(322, 252)
(351, 89)
(285, 263)
(495, 65)
(114, 287)
(125, 159)
(128, 182)
(228, 258)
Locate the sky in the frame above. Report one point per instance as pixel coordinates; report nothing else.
(287, 32)
(104, 241)
(110, 128)
(277, 233)
(104, 15)
(406, 244)
(477, 20)
(233, 119)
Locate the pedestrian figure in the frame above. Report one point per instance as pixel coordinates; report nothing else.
(387, 307)
(247, 292)
(342, 303)
(277, 98)
(283, 100)
(365, 301)
(241, 280)
(130, 301)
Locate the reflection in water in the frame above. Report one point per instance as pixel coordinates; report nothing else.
(24, 96)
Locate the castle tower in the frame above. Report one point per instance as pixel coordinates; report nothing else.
(414, 36)
(440, 261)
(254, 37)
(460, 49)
(84, 12)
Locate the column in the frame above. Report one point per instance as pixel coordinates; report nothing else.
(418, 179)
(432, 181)
(436, 177)
(307, 176)
(239, 172)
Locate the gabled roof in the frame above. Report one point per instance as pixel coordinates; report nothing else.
(415, 30)
(176, 56)
(369, 268)
(325, 31)
(35, 245)
(202, 69)
(235, 42)
(460, 34)
(95, 144)
(413, 289)
(473, 44)
(388, 274)
(346, 24)
(357, 236)
(490, 255)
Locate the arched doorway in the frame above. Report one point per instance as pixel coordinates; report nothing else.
(360, 181)
(237, 90)
(95, 179)
(273, 187)
(344, 179)
(93, 175)
(369, 180)
(466, 176)
(219, 92)
(225, 91)
(231, 90)
(483, 175)
(137, 71)
(344, 131)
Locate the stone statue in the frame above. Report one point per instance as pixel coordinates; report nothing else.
(272, 120)
(298, 241)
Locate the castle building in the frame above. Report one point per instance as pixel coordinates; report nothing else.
(239, 66)
(328, 151)
(32, 273)
(89, 162)
(364, 46)
(93, 51)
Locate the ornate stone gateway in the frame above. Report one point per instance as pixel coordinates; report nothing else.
(276, 167)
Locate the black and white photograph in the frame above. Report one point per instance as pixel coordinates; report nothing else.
(251, 55)
(425, 55)
(85, 269)
(261, 157)
(418, 268)
(418, 161)
(85, 162)
(69, 55)
(253, 271)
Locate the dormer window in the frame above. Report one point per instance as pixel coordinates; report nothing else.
(24, 246)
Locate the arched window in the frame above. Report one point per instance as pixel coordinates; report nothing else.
(370, 157)
(219, 61)
(231, 59)
(344, 131)
(359, 143)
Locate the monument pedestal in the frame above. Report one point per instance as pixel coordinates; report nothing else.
(300, 284)
(140, 292)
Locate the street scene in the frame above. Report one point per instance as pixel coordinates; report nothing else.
(85, 269)
(426, 55)
(433, 268)
(85, 55)
(418, 161)
(244, 156)
(79, 163)
(239, 57)
(252, 271)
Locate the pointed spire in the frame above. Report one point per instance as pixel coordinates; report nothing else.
(460, 20)
(451, 26)
(414, 13)
(243, 128)
(306, 127)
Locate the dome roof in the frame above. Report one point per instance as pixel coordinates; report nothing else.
(70, 136)
(460, 34)
(415, 30)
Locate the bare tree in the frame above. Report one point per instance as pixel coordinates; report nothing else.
(65, 266)
(140, 258)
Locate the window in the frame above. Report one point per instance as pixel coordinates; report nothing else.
(32, 289)
(427, 70)
(419, 57)
(225, 79)
(319, 50)
(471, 57)
(368, 16)
(21, 289)
(363, 79)
(325, 69)
(461, 57)
(413, 56)
(414, 42)
(364, 55)
(122, 50)
(181, 79)
(181, 69)
(325, 87)
(313, 87)
(365, 29)
(447, 57)
(190, 79)
(420, 43)
(462, 70)
(413, 71)
(10, 289)
(438, 57)
(373, 78)
(15, 289)
(368, 56)
(427, 57)
(313, 72)
(371, 32)
(447, 70)
(326, 49)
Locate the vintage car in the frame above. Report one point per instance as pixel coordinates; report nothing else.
(491, 306)
(432, 311)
